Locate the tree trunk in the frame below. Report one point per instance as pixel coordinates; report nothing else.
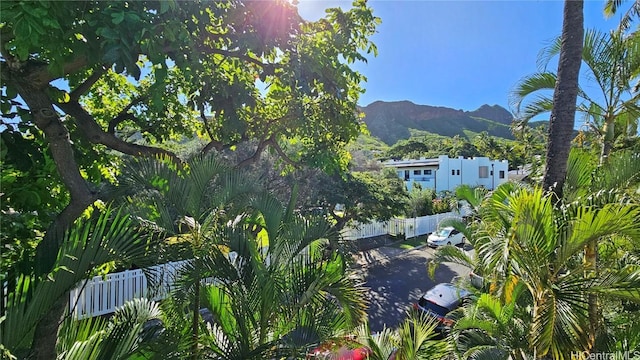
(48, 121)
(607, 140)
(564, 97)
(195, 323)
(46, 333)
(591, 271)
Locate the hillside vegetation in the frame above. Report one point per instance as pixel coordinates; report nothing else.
(393, 121)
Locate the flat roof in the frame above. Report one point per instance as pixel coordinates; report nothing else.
(413, 163)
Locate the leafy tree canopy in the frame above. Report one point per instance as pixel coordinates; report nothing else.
(82, 81)
(361, 196)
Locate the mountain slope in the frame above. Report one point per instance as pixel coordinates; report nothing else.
(392, 121)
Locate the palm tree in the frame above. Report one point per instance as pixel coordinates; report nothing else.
(597, 185)
(612, 6)
(494, 328)
(185, 206)
(541, 246)
(415, 338)
(109, 236)
(612, 61)
(287, 299)
(564, 97)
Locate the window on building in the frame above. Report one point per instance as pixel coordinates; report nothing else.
(427, 172)
(458, 172)
(453, 172)
(406, 175)
(417, 172)
(483, 172)
(501, 174)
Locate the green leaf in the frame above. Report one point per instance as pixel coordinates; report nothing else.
(108, 33)
(117, 18)
(11, 92)
(161, 74)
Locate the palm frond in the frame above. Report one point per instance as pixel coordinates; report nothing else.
(119, 338)
(529, 85)
(109, 236)
(622, 284)
(547, 53)
(382, 345)
(621, 170)
(450, 254)
(580, 173)
(417, 337)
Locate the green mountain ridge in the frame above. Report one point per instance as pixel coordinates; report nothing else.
(393, 121)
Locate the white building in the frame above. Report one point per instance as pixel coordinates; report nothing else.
(444, 173)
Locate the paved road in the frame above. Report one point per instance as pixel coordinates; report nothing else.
(395, 285)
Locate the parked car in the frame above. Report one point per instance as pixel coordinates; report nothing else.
(445, 236)
(440, 301)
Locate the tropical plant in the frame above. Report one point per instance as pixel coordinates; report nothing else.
(611, 7)
(125, 335)
(414, 338)
(185, 205)
(612, 61)
(597, 185)
(279, 292)
(494, 328)
(563, 105)
(523, 237)
(542, 246)
(282, 301)
(108, 236)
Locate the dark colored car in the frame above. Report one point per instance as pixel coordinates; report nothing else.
(441, 300)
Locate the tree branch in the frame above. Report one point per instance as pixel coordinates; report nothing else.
(278, 149)
(124, 114)
(92, 132)
(88, 83)
(41, 77)
(206, 128)
(234, 54)
(214, 144)
(256, 155)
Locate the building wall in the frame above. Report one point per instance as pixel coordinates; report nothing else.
(426, 180)
(451, 173)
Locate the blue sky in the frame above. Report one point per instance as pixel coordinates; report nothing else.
(458, 54)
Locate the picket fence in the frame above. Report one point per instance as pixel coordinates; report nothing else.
(400, 227)
(102, 295)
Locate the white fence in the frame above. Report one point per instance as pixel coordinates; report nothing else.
(427, 224)
(102, 295)
(361, 231)
(395, 227)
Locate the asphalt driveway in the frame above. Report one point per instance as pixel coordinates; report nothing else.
(395, 284)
